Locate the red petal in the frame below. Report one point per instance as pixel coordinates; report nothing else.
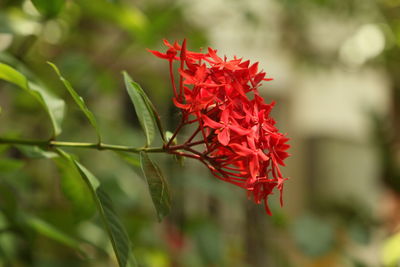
(224, 136)
(210, 123)
(159, 54)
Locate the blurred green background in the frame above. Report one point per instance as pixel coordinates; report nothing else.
(336, 70)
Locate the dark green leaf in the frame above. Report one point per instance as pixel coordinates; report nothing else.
(158, 186)
(8, 199)
(49, 9)
(54, 106)
(143, 111)
(78, 100)
(115, 230)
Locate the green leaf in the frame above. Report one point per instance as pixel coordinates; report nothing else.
(158, 186)
(54, 106)
(78, 100)
(115, 230)
(44, 228)
(132, 160)
(49, 9)
(143, 111)
(154, 112)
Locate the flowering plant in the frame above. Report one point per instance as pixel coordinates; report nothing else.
(234, 135)
(241, 144)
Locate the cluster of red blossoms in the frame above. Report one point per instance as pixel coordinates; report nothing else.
(237, 135)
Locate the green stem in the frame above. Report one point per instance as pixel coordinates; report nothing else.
(101, 146)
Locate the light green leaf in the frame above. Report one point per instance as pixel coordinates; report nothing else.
(158, 186)
(54, 106)
(143, 111)
(46, 229)
(49, 9)
(78, 100)
(391, 250)
(115, 230)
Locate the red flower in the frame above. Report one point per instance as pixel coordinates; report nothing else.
(236, 137)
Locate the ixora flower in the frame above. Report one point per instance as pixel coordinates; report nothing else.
(235, 136)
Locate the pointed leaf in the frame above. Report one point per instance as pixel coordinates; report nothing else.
(36, 152)
(144, 113)
(49, 9)
(78, 100)
(115, 230)
(54, 106)
(158, 186)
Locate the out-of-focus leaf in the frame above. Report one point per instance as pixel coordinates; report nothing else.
(44, 228)
(144, 113)
(158, 186)
(115, 230)
(132, 160)
(49, 9)
(8, 199)
(78, 100)
(36, 152)
(54, 106)
(8, 165)
(313, 235)
(75, 189)
(391, 251)
(359, 233)
(129, 18)
(208, 239)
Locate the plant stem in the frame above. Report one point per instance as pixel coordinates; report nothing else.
(98, 146)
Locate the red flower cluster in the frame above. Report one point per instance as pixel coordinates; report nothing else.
(239, 141)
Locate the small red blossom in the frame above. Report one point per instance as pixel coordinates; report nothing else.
(236, 137)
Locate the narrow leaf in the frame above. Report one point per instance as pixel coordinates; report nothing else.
(48, 230)
(54, 106)
(78, 100)
(158, 186)
(36, 152)
(115, 230)
(143, 112)
(75, 189)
